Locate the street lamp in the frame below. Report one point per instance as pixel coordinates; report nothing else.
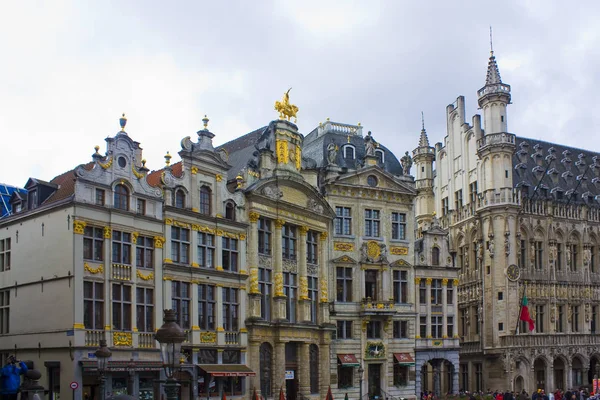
(360, 381)
(102, 356)
(170, 336)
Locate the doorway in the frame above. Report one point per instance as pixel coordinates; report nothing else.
(291, 386)
(519, 384)
(374, 381)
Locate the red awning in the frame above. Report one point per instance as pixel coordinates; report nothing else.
(227, 370)
(348, 360)
(404, 358)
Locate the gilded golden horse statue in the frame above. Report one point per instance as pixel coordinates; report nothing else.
(285, 109)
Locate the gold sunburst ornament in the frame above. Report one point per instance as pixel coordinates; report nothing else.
(286, 110)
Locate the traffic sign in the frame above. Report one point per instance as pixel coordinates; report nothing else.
(74, 385)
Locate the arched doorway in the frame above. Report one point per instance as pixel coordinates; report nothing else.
(594, 371)
(539, 373)
(577, 377)
(437, 376)
(559, 374)
(519, 384)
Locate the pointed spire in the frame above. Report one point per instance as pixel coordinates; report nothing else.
(493, 73)
(423, 140)
(493, 81)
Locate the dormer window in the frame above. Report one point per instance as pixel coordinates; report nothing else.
(380, 156)
(349, 152)
(435, 256)
(230, 211)
(32, 199)
(121, 199)
(179, 198)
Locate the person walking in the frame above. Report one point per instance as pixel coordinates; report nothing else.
(10, 378)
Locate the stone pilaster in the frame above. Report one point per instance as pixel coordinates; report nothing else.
(323, 278)
(304, 301)
(304, 368)
(324, 372)
(279, 368)
(444, 308)
(279, 312)
(455, 307)
(417, 309)
(428, 288)
(254, 298)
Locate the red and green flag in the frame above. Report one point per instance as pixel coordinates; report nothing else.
(525, 314)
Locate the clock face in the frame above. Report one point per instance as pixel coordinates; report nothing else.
(513, 272)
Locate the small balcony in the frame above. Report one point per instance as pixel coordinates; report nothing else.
(121, 272)
(369, 306)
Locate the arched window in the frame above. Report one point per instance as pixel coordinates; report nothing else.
(314, 368)
(121, 200)
(349, 152)
(230, 210)
(179, 198)
(380, 156)
(205, 195)
(435, 256)
(266, 369)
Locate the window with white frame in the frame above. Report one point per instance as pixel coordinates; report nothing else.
(180, 302)
(93, 305)
(180, 245)
(206, 250)
(4, 254)
(144, 252)
(4, 312)
(121, 247)
(207, 303)
(121, 307)
(144, 309)
(349, 152)
(398, 226)
(229, 254)
(288, 235)
(343, 221)
(93, 243)
(264, 236)
(372, 223)
(230, 309)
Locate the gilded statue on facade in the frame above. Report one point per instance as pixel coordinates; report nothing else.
(286, 110)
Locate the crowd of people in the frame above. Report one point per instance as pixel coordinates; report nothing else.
(540, 394)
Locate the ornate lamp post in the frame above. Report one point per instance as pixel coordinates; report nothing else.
(360, 381)
(102, 356)
(170, 336)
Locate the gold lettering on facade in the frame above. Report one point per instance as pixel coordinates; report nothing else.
(399, 250)
(343, 246)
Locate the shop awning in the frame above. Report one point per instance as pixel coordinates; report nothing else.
(227, 370)
(348, 360)
(404, 358)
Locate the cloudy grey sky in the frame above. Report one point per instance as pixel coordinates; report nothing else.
(70, 69)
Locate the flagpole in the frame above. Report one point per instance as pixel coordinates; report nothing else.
(520, 308)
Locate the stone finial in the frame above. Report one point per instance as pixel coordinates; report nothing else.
(96, 155)
(205, 122)
(123, 122)
(168, 159)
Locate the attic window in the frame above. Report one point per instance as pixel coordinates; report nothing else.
(380, 156)
(372, 181)
(349, 153)
(230, 211)
(32, 199)
(122, 162)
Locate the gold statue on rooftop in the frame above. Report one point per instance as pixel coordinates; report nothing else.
(285, 109)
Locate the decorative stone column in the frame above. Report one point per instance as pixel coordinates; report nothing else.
(323, 277)
(428, 288)
(569, 374)
(254, 297)
(304, 369)
(445, 308)
(324, 365)
(279, 312)
(417, 309)
(455, 306)
(107, 250)
(219, 315)
(304, 301)
(279, 368)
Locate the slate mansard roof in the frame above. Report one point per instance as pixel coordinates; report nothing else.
(563, 173)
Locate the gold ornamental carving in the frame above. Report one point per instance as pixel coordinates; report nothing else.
(298, 157)
(303, 230)
(343, 246)
(282, 151)
(91, 270)
(279, 223)
(122, 339)
(399, 250)
(285, 109)
(417, 281)
(208, 337)
(168, 221)
(445, 282)
(278, 279)
(134, 237)
(107, 232)
(159, 241)
(324, 294)
(253, 216)
(79, 227)
(194, 170)
(218, 177)
(428, 281)
(107, 164)
(137, 174)
(373, 249)
(254, 289)
(455, 282)
(303, 284)
(322, 236)
(145, 277)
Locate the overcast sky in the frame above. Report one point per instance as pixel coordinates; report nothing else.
(69, 70)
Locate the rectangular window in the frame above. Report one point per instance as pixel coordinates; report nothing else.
(230, 254)
(230, 309)
(572, 257)
(463, 258)
(372, 223)
(141, 206)
(400, 329)
(436, 292)
(207, 303)
(100, 197)
(344, 284)
(374, 330)
(436, 326)
(265, 285)
(478, 377)
(180, 245)
(343, 221)
(473, 192)
(345, 377)
(206, 250)
(121, 307)
(500, 326)
(476, 319)
(144, 252)
(445, 206)
(144, 309)
(464, 376)
(121, 247)
(450, 326)
(93, 243)
(593, 259)
(593, 326)
(4, 312)
(559, 256)
(5, 254)
(422, 292)
(93, 305)
(450, 293)
(523, 255)
(422, 327)
(500, 295)
(400, 375)
(575, 319)
(539, 319)
(560, 318)
(539, 255)
(180, 302)
(264, 236)
(344, 329)
(463, 323)
(288, 236)
(312, 255)
(400, 283)
(313, 293)
(290, 289)
(458, 199)
(398, 226)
